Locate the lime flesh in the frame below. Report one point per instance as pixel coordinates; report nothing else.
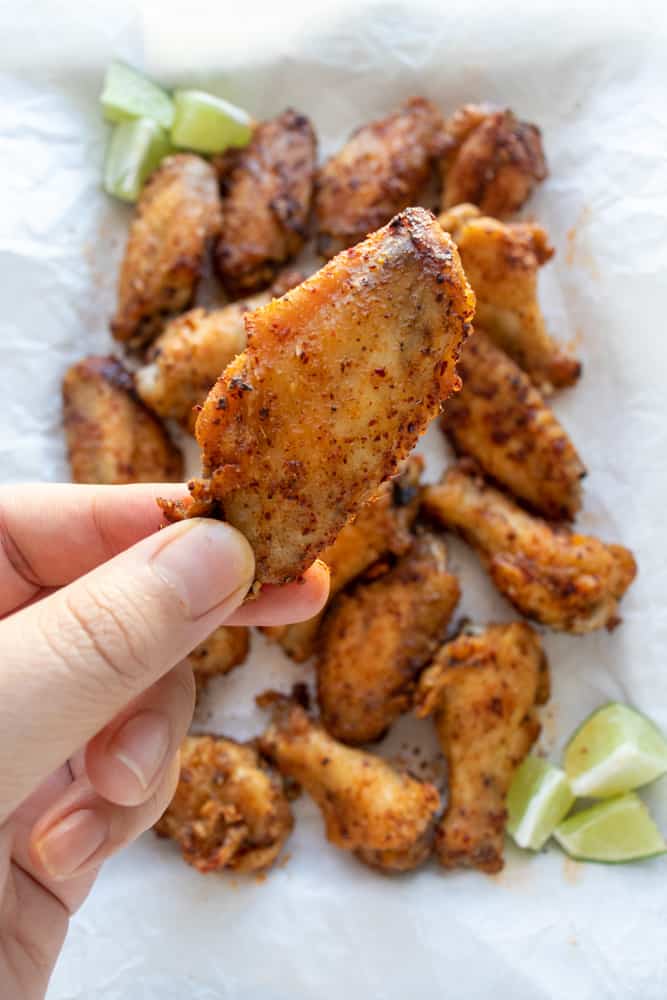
(208, 124)
(135, 150)
(128, 94)
(613, 832)
(538, 799)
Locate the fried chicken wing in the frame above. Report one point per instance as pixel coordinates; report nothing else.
(379, 171)
(501, 262)
(229, 811)
(267, 189)
(482, 690)
(178, 212)
(381, 528)
(377, 638)
(501, 420)
(224, 649)
(111, 436)
(565, 580)
(339, 379)
(384, 816)
(491, 159)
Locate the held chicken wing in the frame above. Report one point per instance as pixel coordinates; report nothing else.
(224, 649)
(565, 580)
(177, 214)
(501, 262)
(339, 379)
(384, 816)
(229, 811)
(491, 159)
(376, 639)
(267, 189)
(379, 171)
(482, 690)
(500, 419)
(380, 529)
(111, 437)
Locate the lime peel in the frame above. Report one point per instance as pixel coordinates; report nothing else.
(208, 124)
(538, 799)
(612, 832)
(135, 150)
(127, 94)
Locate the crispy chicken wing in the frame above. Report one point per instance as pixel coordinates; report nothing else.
(501, 420)
(177, 214)
(381, 528)
(571, 582)
(224, 649)
(267, 190)
(229, 811)
(482, 690)
(386, 817)
(501, 262)
(491, 159)
(377, 638)
(111, 436)
(339, 379)
(379, 171)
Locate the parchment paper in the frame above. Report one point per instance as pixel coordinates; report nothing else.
(322, 925)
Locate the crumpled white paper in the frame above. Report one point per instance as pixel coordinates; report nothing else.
(323, 925)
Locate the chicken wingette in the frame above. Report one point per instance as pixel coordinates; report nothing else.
(224, 649)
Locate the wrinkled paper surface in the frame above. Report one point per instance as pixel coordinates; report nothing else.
(322, 925)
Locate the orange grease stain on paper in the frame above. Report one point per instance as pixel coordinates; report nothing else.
(577, 255)
(573, 871)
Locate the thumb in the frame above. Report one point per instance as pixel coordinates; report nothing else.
(71, 662)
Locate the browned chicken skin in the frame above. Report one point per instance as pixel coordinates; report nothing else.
(377, 638)
(267, 189)
(568, 581)
(491, 159)
(111, 437)
(379, 171)
(500, 419)
(224, 649)
(178, 212)
(501, 262)
(482, 690)
(339, 379)
(229, 811)
(386, 817)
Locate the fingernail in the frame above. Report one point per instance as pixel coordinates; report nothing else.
(141, 745)
(68, 845)
(206, 562)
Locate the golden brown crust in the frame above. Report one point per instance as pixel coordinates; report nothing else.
(386, 817)
(500, 419)
(178, 212)
(111, 437)
(339, 379)
(224, 649)
(267, 190)
(568, 581)
(377, 638)
(379, 171)
(482, 690)
(229, 811)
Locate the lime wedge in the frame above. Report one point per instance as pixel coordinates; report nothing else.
(127, 94)
(135, 149)
(208, 124)
(615, 750)
(614, 831)
(538, 799)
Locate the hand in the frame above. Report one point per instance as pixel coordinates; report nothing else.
(97, 611)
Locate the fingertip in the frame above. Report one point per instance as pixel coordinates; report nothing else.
(287, 604)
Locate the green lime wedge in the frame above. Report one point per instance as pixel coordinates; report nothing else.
(135, 149)
(208, 124)
(612, 832)
(128, 94)
(615, 750)
(538, 799)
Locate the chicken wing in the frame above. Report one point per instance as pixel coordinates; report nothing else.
(491, 159)
(229, 811)
(501, 262)
(267, 189)
(386, 817)
(377, 638)
(224, 649)
(500, 420)
(339, 379)
(482, 690)
(379, 171)
(568, 581)
(111, 436)
(177, 214)
(380, 529)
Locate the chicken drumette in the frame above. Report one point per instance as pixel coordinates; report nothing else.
(224, 649)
